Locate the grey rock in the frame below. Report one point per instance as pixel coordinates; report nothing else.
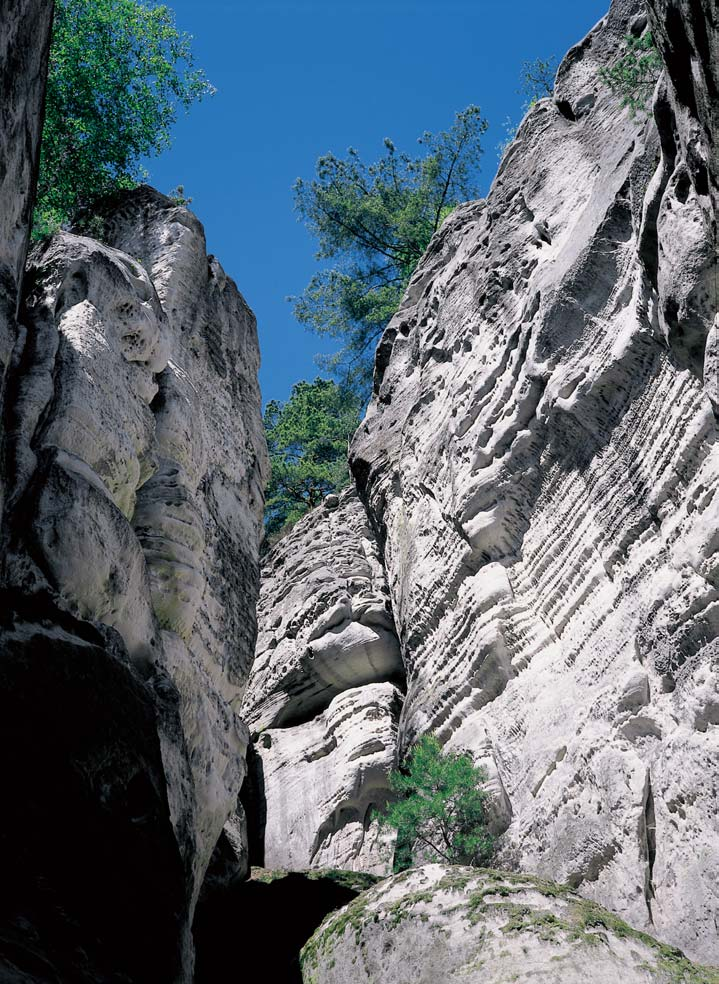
(24, 48)
(325, 621)
(135, 462)
(687, 34)
(440, 923)
(539, 460)
(324, 781)
(322, 700)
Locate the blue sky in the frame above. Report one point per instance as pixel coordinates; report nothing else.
(298, 78)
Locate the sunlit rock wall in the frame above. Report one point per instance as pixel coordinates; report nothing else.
(324, 697)
(540, 460)
(134, 467)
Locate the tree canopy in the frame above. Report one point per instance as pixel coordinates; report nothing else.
(537, 78)
(634, 74)
(374, 221)
(119, 72)
(441, 812)
(307, 437)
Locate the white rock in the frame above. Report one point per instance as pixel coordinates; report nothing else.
(325, 622)
(322, 701)
(540, 461)
(464, 926)
(324, 781)
(136, 460)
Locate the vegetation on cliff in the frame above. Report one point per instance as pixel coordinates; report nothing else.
(374, 221)
(120, 70)
(441, 810)
(307, 438)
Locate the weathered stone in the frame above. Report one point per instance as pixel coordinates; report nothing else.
(135, 459)
(687, 33)
(323, 781)
(322, 700)
(24, 48)
(465, 926)
(539, 459)
(325, 623)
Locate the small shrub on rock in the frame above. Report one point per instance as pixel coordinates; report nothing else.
(634, 74)
(441, 810)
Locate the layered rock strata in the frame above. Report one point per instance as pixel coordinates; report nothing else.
(134, 464)
(539, 458)
(324, 696)
(466, 926)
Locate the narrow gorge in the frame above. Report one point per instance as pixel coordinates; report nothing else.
(526, 565)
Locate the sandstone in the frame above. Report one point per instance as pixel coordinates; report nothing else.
(135, 461)
(323, 782)
(323, 699)
(539, 461)
(485, 927)
(24, 48)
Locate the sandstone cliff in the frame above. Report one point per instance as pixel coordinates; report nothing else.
(324, 697)
(23, 69)
(539, 469)
(540, 457)
(134, 466)
(527, 566)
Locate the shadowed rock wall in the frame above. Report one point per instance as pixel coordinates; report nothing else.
(24, 47)
(134, 467)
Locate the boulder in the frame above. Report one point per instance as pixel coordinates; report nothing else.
(469, 926)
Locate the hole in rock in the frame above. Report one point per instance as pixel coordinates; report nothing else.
(565, 108)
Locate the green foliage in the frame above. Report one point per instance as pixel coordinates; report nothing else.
(307, 437)
(634, 74)
(375, 222)
(119, 71)
(537, 82)
(537, 78)
(441, 813)
(178, 196)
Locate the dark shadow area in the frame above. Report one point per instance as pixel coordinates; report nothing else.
(255, 930)
(252, 798)
(93, 886)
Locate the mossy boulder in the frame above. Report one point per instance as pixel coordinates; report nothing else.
(477, 926)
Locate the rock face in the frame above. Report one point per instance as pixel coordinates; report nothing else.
(134, 464)
(24, 47)
(485, 927)
(687, 33)
(540, 460)
(324, 697)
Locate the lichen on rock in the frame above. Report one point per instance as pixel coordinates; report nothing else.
(486, 927)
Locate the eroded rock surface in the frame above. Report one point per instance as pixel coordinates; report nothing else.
(540, 459)
(483, 927)
(324, 697)
(135, 461)
(24, 47)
